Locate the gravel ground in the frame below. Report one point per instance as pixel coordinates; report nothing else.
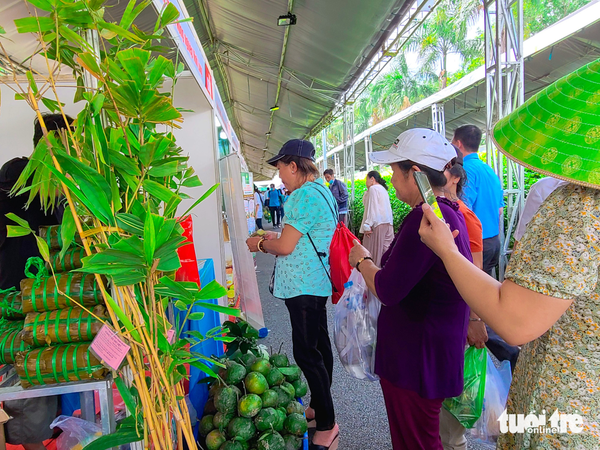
(360, 410)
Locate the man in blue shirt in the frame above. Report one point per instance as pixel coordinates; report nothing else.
(484, 195)
(340, 192)
(275, 205)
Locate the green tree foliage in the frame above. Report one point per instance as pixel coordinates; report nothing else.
(540, 14)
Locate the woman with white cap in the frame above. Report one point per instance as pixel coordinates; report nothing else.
(422, 327)
(550, 298)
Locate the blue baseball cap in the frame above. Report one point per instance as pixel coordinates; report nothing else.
(295, 147)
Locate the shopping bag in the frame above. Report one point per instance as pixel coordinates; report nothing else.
(497, 385)
(77, 433)
(355, 328)
(339, 251)
(468, 406)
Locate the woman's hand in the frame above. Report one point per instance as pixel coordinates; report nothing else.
(271, 235)
(357, 252)
(368, 233)
(252, 243)
(436, 234)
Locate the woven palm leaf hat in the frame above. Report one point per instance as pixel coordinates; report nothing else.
(557, 131)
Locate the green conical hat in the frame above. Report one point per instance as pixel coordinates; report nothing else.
(557, 131)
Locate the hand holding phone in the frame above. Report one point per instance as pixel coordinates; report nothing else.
(427, 193)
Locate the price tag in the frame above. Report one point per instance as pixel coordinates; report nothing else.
(171, 335)
(109, 347)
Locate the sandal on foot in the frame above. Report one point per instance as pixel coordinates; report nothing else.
(333, 446)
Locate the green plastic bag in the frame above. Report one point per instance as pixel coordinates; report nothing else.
(468, 406)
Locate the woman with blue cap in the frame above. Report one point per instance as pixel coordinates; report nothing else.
(301, 277)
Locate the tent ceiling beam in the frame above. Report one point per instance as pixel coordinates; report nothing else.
(397, 39)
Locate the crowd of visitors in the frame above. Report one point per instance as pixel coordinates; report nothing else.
(436, 281)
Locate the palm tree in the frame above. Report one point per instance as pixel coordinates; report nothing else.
(445, 33)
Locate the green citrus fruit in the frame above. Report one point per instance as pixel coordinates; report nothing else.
(221, 420)
(279, 360)
(295, 424)
(209, 408)
(275, 377)
(271, 440)
(235, 373)
(269, 398)
(262, 366)
(266, 419)
(300, 387)
(283, 397)
(287, 387)
(293, 373)
(249, 405)
(226, 400)
(231, 445)
(281, 416)
(292, 442)
(214, 440)
(206, 425)
(256, 383)
(241, 429)
(294, 407)
(247, 360)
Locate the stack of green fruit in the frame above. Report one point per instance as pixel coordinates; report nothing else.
(254, 405)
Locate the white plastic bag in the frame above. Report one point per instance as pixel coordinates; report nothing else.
(77, 433)
(355, 328)
(497, 385)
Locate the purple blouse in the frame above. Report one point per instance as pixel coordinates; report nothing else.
(422, 327)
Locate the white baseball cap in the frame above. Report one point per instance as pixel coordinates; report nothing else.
(419, 145)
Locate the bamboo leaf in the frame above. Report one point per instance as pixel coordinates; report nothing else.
(128, 399)
(67, 231)
(180, 305)
(123, 436)
(201, 199)
(149, 238)
(43, 248)
(169, 15)
(212, 290)
(123, 318)
(203, 367)
(121, 32)
(130, 223)
(131, 12)
(70, 35)
(158, 191)
(34, 24)
(17, 231)
(89, 63)
(18, 220)
(167, 169)
(196, 334)
(160, 68)
(220, 309)
(191, 182)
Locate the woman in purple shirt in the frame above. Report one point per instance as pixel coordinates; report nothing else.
(422, 327)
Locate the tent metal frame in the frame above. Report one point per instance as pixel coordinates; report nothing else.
(505, 81)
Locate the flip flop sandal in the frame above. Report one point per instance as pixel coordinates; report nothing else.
(333, 446)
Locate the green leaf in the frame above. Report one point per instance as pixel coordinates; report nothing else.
(158, 191)
(128, 399)
(89, 62)
(220, 309)
(130, 223)
(196, 334)
(200, 200)
(203, 367)
(18, 220)
(16, 231)
(121, 32)
(32, 83)
(123, 318)
(124, 163)
(191, 182)
(196, 316)
(2, 30)
(125, 435)
(67, 231)
(159, 69)
(212, 290)
(167, 169)
(70, 35)
(169, 15)
(44, 5)
(43, 248)
(131, 12)
(149, 238)
(180, 305)
(183, 290)
(34, 24)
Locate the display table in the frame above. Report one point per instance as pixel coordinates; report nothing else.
(11, 390)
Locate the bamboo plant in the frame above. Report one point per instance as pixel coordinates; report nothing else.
(122, 177)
